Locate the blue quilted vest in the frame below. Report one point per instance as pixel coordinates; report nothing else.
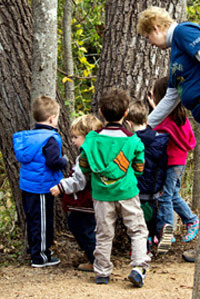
(35, 176)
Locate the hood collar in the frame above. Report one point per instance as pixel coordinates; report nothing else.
(170, 34)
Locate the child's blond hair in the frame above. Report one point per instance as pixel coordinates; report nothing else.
(153, 16)
(138, 112)
(43, 107)
(86, 123)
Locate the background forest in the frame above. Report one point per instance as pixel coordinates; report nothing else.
(76, 78)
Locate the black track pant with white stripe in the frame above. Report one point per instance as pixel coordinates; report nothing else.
(38, 209)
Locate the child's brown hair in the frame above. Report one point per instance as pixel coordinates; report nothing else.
(178, 115)
(86, 123)
(43, 107)
(114, 103)
(138, 113)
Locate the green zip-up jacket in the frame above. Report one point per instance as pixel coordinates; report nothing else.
(114, 163)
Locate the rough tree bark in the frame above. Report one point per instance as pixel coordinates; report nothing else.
(15, 87)
(68, 57)
(44, 66)
(196, 177)
(196, 285)
(127, 60)
(15, 84)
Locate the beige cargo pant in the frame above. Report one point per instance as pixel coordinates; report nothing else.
(106, 214)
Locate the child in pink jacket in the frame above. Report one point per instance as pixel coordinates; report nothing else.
(181, 141)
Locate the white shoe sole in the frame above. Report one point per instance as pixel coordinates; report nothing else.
(166, 239)
(45, 264)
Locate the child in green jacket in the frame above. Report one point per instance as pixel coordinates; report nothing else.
(115, 157)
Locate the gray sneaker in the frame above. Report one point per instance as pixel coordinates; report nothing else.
(166, 239)
(189, 255)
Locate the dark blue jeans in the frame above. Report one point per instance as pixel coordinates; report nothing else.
(82, 225)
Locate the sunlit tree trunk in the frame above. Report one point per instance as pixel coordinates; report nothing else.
(44, 67)
(68, 57)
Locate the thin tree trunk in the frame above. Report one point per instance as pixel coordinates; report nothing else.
(44, 67)
(68, 56)
(196, 285)
(196, 178)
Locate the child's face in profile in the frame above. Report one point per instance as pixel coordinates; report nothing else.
(157, 37)
(77, 139)
(53, 119)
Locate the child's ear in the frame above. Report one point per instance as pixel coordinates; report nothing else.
(130, 123)
(50, 119)
(156, 28)
(100, 112)
(126, 112)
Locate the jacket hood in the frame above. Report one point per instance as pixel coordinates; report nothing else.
(147, 136)
(155, 143)
(182, 136)
(109, 156)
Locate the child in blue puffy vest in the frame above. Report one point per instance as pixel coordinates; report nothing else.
(39, 153)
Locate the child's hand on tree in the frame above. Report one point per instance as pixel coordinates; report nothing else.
(55, 191)
(151, 101)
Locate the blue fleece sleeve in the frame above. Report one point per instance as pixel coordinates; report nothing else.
(188, 37)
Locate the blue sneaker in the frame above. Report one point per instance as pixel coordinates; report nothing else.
(102, 280)
(192, 231)
(173, 239)
(137, 276)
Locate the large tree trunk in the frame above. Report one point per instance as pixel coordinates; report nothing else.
(127, 60)
(15, 84)
(15, 87)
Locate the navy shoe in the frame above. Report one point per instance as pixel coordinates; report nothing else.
(102, 280)
(51, 262)
(137, 276)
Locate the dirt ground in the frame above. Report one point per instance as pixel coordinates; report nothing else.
(163, 281)
(169, 276)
